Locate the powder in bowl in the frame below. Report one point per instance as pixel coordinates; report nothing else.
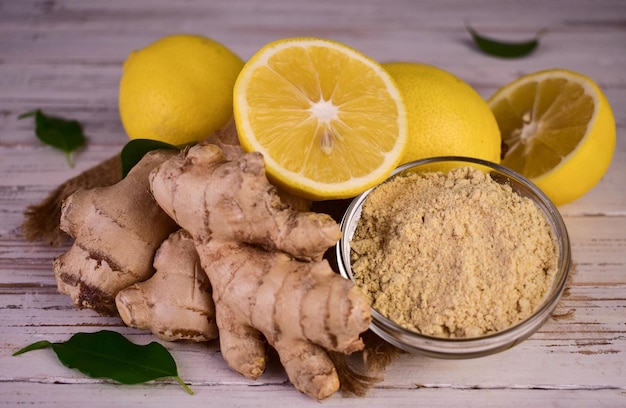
(454, 254)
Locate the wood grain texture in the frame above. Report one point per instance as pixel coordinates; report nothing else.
(65, 57)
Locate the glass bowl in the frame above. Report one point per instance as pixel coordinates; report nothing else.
(415, 342)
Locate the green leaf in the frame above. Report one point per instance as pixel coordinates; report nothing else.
(62, 134)
(505, 49)
(134, 151)
(108, 354)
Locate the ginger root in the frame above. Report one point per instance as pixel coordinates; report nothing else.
(117, 230)
(227, 140)
(264, 261)
(213, 198)
(175, 303)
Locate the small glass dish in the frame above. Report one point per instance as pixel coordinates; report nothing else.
(415, 342)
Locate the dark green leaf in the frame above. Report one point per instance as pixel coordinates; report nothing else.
(505, 49)
(134, 151)
(108, 354)
(62, 134)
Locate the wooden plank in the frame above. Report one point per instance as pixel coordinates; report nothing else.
(266, 395)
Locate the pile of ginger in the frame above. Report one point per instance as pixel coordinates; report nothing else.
(197, 245)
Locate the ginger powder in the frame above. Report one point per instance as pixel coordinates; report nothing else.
(452, 254)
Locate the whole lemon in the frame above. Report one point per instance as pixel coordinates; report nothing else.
(178, 89)
(446, 116)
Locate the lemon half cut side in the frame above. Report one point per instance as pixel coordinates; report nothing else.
(557, 129)
(328, 120)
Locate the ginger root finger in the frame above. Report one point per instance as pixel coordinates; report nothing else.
(227, 140)
(260, 292)
(116, 231)
(235, 199)
(175, 303)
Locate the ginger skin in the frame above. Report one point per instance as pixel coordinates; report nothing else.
(264, 263)
(227, 140)
(175, 303)
(302, 309)
(117, 229)
(214, 198)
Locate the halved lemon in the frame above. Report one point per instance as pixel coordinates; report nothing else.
(328, 120)
(557, 129)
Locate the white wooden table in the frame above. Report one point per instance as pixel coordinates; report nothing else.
(65, 57)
